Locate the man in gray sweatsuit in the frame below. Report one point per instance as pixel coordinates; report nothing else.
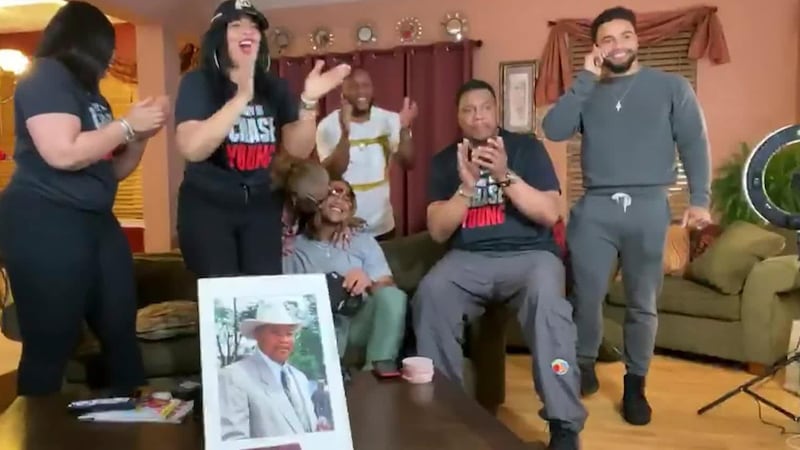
(631, 120)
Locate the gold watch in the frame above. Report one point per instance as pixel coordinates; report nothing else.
(510, 179)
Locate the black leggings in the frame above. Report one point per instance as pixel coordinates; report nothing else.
(230, 232)
(66, 266)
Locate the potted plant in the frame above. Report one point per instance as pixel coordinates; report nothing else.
(727, 196)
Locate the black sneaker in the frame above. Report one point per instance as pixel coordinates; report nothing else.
(635, 408)
(561, 437)
(589, 382)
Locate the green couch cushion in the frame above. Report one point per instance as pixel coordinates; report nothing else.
(411, 257)
(171, 357)
(727, 262)
(680, 296)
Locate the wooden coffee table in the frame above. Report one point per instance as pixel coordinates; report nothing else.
(384, 415)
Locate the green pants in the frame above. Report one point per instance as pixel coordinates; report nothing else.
(377, 331)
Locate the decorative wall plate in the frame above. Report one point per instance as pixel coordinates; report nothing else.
(365, 34)
(321, 39)
(455, 26)
(409, 29)
(281, 39)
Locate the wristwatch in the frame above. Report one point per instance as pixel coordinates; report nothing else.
(308, 105)
(510, 179)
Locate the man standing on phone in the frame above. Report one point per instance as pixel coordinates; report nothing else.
(631, 120)
(494, 199)
(358, 141)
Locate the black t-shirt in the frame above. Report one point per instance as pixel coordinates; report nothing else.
(49, 87)
(245, 155)
(492, 222)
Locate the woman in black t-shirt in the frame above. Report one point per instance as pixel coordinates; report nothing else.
(232, 118)
(65, 253)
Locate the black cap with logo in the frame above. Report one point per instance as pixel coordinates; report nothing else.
(231, 10)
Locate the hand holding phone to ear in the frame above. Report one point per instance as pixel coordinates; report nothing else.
(593, 61)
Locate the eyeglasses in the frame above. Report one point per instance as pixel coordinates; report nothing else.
(339, 193)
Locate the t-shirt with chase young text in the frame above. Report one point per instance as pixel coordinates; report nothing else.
(492, 223)
(49, 87)
(246, 153)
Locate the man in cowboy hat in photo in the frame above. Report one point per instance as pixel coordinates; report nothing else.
(262, 395)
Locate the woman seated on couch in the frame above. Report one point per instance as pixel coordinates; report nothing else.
(380, 323)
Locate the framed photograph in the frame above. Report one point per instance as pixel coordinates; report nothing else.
(270, 365)
(517, 83)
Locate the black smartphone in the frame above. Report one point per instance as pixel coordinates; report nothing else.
(386, 369)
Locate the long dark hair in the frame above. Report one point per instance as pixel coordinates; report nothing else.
(82, 38)
(215, 62)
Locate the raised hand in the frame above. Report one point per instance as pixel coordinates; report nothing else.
(244, 75)
(408, 113)
(345, 115)
(492, 157)
(319, 83)
(593, 61)
(468, 171)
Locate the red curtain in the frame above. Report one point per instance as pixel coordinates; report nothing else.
(429, 75)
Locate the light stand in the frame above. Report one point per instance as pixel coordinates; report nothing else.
(753, 186)
(745, 388)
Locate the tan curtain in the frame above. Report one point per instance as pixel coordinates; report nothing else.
(708, 39)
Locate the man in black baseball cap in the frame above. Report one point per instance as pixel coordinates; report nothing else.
(231, 10)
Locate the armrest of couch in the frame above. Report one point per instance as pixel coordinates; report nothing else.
(770, 302)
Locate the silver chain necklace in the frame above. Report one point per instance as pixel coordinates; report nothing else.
(618, 106)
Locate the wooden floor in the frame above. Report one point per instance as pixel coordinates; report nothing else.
(9, 357)
(676, 389)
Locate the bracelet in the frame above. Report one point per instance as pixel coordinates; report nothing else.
(130, 134)
(308, 104)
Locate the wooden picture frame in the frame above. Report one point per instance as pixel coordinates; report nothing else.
(517, 85)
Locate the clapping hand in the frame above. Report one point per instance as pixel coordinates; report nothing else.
(147, 116)
(492, 157)
(408, 113)
(319, 83)
(468, 171)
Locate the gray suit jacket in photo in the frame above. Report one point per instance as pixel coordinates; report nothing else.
(254, 405)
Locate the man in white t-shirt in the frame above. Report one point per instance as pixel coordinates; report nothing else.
(356, 143)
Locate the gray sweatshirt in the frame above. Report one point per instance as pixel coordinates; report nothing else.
(635, 145)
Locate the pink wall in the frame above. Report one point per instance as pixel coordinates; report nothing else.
(743, 100)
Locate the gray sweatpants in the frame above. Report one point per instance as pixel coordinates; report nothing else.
(603, 225)
(461, 284)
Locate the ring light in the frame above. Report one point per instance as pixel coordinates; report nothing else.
(753, 178)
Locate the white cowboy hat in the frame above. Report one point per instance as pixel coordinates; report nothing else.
(272, 312)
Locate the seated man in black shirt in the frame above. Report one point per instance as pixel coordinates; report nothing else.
(494, 198)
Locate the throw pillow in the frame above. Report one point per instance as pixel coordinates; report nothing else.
(727, 262)
(676, 250)
(166, 320)
(702, 239)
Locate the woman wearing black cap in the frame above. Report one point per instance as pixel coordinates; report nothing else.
(232, 117)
